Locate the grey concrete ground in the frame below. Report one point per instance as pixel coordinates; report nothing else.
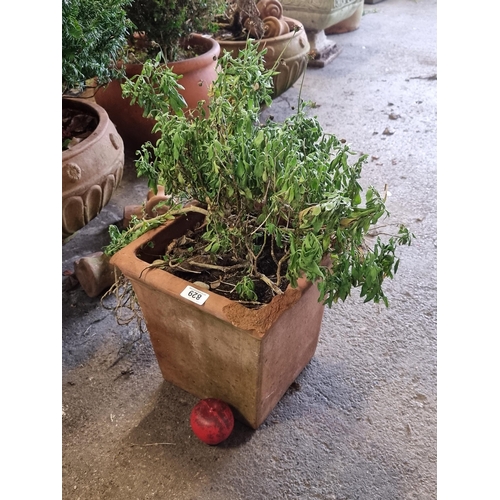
(361, 421)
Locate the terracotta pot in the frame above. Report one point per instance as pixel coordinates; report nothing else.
(91, 170)
(292, 49)
(316, 16)
(94, 273)
(198, 73)
(221, 349)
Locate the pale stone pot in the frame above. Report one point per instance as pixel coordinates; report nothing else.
(318, 15)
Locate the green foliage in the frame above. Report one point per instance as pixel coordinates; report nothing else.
(167, 22)
(287, 185)
(94, 33)
(246, 289)
(137, 227)
(159, 90)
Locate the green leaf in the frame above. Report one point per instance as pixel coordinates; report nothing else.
(259, 138)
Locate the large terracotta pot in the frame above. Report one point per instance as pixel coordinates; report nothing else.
(318, 15)
(197, 75)
(292, 49)
(219, 348)
(91, 170)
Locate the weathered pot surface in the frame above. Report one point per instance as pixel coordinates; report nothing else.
(292, 49)
(245, 357)
(318, 15)
(91, 170)
(198, 74)
(349, 24)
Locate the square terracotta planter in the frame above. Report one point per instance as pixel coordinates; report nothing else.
(221, 349)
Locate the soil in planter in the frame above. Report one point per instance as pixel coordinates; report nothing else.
(76, 126)
(185, 257)
(138, 53)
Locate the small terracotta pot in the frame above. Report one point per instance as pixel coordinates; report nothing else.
(292, 49)
(221, 349)
(91, 170)
(198, 74)
(94, 273)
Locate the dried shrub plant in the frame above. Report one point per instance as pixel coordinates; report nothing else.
(286, 193)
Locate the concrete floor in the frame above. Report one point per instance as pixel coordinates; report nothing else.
(361, 421)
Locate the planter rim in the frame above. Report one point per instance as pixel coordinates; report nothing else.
(135, 268)
(263, 41)
(211, 54)
(102, 115)
(196, 75)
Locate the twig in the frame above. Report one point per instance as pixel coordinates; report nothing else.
(431, 77)
(88, 328)
(150, 444)
(273, 254)
(261, 249)
(269, 283)
(125, 299)
(178, 266)
(278, 267)
(119, 358)
(215, 267)
(262, 224)
(123, 373)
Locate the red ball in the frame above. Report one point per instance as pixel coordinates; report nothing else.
(212, 420)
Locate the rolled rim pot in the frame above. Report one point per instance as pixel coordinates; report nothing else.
(91, 169)
(292, 50)
(218, 348)
(197, 75)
